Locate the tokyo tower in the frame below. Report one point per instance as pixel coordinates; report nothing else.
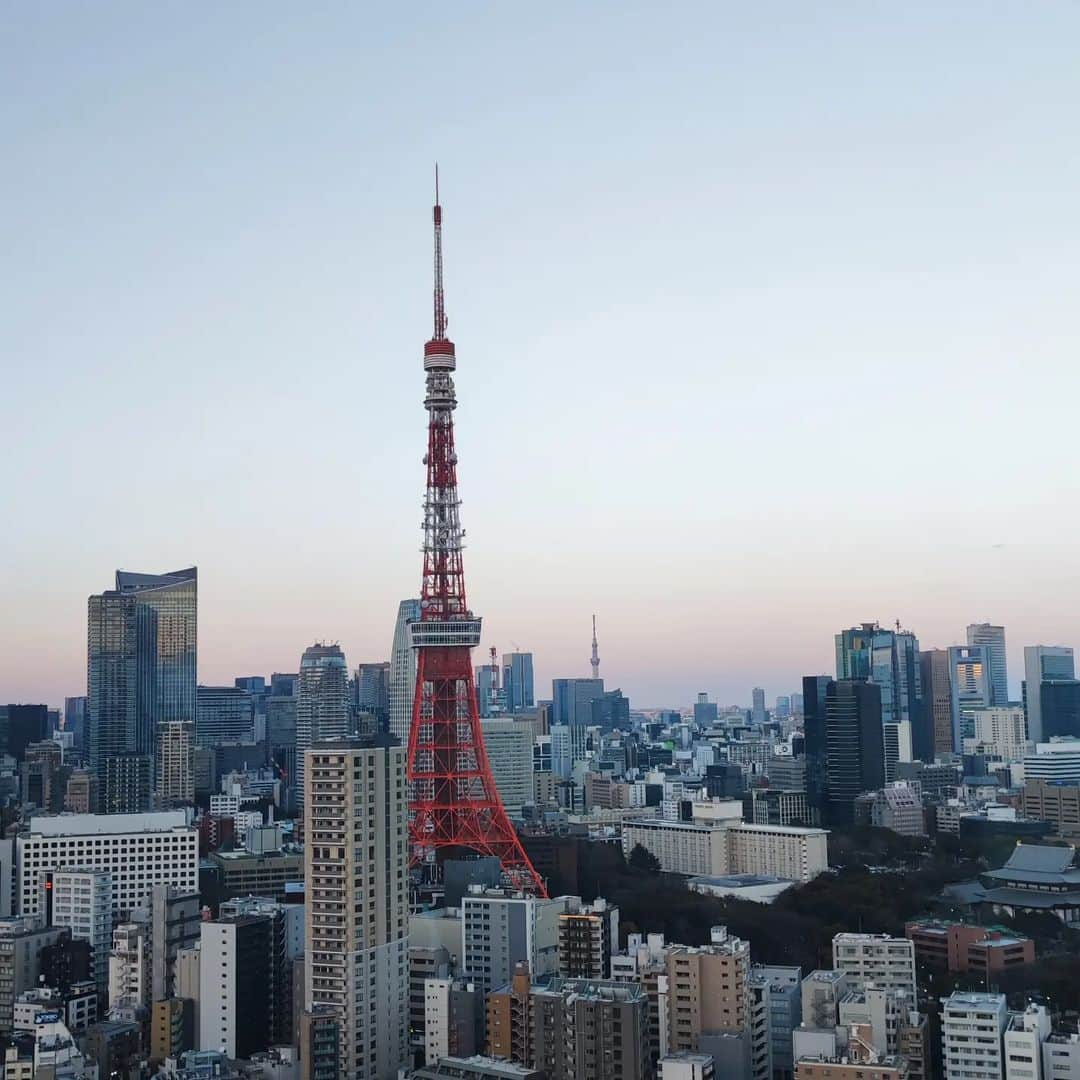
(454, 806)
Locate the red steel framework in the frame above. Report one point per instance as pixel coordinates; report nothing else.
(454, 806)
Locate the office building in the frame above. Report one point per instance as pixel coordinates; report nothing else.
(937, 698)
(785, 1013)
(1057, 803)
(993, 639)
(944, 945)
(403, 671)
(322, 705)
(997, 732)
(137, 850)
(1054, 762)
(757, 708)
(509, 746)
(776, 805)
(355, 874)
(890, 660)
(235, 985)
(972, 1028)
(854, 746)
(41, 776)
(687, 1067)
(244, 873)
(173, 597)
(969, 679)
(1025, 1034)
(21, 725)
(226, 715)
(783, 707)
(897, 807)
(815, 744)
(572, 700)
(81, 903)
(706, 713)
(588, 935)
(372, 683)
(476, 1067)
(877, 959)
(1059, 708)
(1043, 663)
(176, 764)
(75, 719)
(122, 699)
(518, 681)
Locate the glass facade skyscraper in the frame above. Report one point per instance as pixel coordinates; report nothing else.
(518, 681)
(1043, 663)
(993, 637)
(322, 705)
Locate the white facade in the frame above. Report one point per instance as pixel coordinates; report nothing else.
(403, 671)
(138, 851)
(1055, 762)
(687, 1067)
(436, 1019)
(509, 746)
(129, 965)
(972, 1026)
(884, 961)
(998, 732)
(731, 847)
(82, 902)
(1024, 1038)
(217, 987)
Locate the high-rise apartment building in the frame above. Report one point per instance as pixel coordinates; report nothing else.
(176, 764)
(322, 704)
(708, 990)
(403, 671)
(518, 681)
(356, 878)
(878, 959)
(226, 715)
(972, 1030)
(121, 690)
(81, 902)
(1042, 664)
(937, 696)
(854, 746)
(235, 985)
(993, 639)
(588, 935)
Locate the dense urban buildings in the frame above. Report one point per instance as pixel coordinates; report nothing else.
(322, 705)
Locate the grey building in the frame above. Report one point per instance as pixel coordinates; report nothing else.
(970, 686)
(403, 671)
(322, 704)
(518, 681)
(226, 715)
(854, 747)
(1043, 663)
(993, 638)
(175, 924)
(372, 683)
(705, 712)
(785, 1013)
(21, 942)
(572, 706)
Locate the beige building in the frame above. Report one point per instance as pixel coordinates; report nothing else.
(878, 959)
(509, 746)
(730, 847)
(1057, 803)
(175, 766)
(356, 933)
(708, 990)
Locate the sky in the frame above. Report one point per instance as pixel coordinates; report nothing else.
(765, 315)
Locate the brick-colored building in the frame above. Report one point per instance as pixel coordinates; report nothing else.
(961, 947)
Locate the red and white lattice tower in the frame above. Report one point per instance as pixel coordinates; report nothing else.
(454, 806)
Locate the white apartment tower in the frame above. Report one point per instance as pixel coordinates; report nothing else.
(403, 671)
(356, 936)
(972, 1026)
(82, 902)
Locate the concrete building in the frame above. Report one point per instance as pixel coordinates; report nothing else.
(82, 903)
(1043, 663)
(176, 763)
(226, 714)
(885, 961)
(972, 1027)
(959, 947)
(687, 1066)
(822, 992)
(452, 1011)
(320, 1044)
(509, 745)
(718, 849)
(897, 807)
(129, 965)
(175, 924)
(80, 796)
(21, 944)
(1057, 803)
(969, 680)
(137, 850)
(403, 671)
(355, 873)
(997, 731)
(244, 873)
(993, 638)
(1023, 1043)
(588, 935)
(785, 1013)
(476, 1068)
(1061, 1056)
(322, 705)
(708, 991)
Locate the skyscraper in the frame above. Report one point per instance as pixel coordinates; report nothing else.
(890, 660)
(176, 767)
(815, 745)
(174, 598)
(855, 753)
(355, 870)
(373, 691)
(969, 681)
(122, 698)
(1043, 663)
(993, 637)
(572, 705)
(518, 681)
(403, 671)
(757, 711)
(322, 705)
(937, 699)
(226, 714)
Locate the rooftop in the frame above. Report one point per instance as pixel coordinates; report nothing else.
(106, 824)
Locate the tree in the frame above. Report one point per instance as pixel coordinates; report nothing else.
(643, 859)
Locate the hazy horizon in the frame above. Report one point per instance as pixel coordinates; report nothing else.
(765, 319)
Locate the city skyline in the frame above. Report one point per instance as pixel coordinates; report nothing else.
(689, 317)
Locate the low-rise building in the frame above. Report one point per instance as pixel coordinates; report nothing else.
(958, 947)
